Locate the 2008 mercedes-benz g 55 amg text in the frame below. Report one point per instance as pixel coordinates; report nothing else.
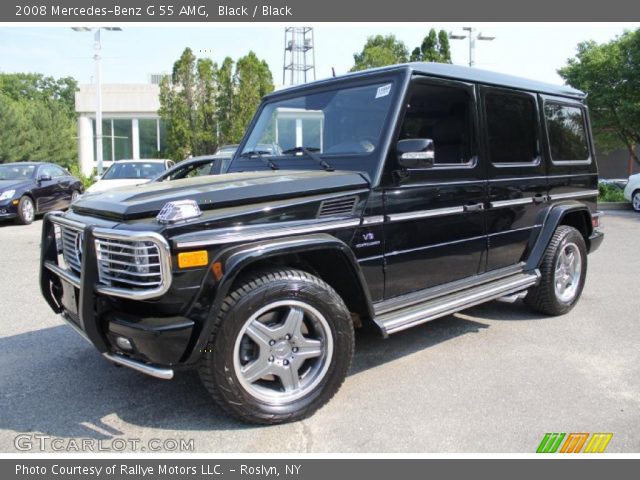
(390, 197)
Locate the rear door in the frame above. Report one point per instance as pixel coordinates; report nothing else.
(573, 174)
(434, 217)
(516, 173)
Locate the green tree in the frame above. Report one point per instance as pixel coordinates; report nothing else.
(253, 81)
(224, 99)
(35, 86)
(178, 107)
(205, 106)
(37, 119)
(434, 48)
(610, 74)
(380, 51)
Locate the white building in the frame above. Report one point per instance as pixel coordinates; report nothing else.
(131, 126)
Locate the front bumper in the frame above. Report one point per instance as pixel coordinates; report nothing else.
(8, 210)
(157, 343)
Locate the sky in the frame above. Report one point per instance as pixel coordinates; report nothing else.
(534, 51)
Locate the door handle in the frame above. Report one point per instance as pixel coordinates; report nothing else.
(473, 207)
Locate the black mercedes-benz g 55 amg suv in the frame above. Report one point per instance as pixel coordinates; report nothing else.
(389, 197)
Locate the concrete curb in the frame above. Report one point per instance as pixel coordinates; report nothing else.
(614, 206)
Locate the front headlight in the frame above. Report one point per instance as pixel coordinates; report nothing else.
(141, 258)
(7, 194)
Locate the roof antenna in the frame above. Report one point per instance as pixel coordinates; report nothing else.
(333, 71)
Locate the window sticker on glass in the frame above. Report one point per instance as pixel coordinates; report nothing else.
(383, 91)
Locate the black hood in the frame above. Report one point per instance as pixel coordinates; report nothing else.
(215, 191)
(12, 184)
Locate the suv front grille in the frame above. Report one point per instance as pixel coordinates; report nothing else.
(128, 264)
(72, 239)
(131, 264)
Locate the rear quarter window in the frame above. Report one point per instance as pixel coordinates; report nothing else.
(566, 132)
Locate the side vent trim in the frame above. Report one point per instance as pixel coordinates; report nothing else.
(337, 207)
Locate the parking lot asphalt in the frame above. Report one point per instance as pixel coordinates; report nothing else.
(494, 378)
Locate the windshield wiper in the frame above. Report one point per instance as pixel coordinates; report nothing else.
(309, 152)
(259, 154)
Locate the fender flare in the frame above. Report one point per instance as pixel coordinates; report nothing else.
(551, 218)
(237, 258)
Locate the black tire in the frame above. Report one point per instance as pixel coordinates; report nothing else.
(545, 297)
(635, 200)
(26, 211)
(220, 367)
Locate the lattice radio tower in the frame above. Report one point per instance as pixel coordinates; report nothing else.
(299, 56)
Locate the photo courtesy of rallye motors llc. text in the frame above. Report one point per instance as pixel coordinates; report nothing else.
(142, 471)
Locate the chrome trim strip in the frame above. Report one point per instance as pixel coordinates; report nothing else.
(373, 220)
(563, 196)
(63, 272)
(165, 263)
(157, 372)
(542, 177)
(436, 212)
(245, 234)
(537, 225)
(435, 245)
(440, 308)
(510, 203)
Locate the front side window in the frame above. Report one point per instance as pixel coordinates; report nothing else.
(335, 124)
(566, 131)
(443, 114)
(511, 128)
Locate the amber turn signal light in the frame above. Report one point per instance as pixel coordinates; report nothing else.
(199, 258)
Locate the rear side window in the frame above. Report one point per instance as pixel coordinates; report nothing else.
(566, 131)
(511, 128)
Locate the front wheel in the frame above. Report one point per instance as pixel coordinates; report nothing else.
(562, 273)
(635, 200)
(280, 348)
(26, 211)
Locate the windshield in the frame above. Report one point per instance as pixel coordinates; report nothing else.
(16, 172)
(344, 125)
(125, 170)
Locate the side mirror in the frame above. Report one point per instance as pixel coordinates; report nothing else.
(415, 153)
(44, 178)
(97, 177)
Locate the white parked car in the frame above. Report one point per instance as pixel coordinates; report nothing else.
(130, 172)
(632, 191)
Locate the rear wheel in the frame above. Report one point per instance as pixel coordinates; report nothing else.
(26, 211)
(562, 273)
(280, 348)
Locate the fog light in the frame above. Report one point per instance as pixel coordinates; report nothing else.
(124, 343)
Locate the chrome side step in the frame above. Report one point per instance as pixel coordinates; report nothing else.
(157, 372)
(403, 318)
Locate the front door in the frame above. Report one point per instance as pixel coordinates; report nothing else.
(434, 217)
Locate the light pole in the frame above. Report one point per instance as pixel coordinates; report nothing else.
(97, 56)
(472, 36)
